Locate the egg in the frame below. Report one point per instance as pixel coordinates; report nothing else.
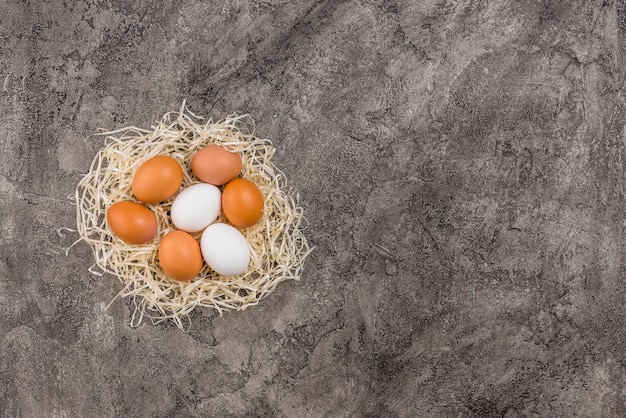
(180, 256)
(215, 165)
(157, 179)
(225, 249)
(132, 222)
(196, 207)
(242, 203)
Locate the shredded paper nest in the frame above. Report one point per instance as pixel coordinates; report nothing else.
(277, 243)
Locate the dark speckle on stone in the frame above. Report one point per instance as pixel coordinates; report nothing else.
(461, 167)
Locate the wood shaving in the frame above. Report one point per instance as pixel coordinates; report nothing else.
(277, 243)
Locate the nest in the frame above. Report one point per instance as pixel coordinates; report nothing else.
(278, 246)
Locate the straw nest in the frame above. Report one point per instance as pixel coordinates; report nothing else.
(278, 246)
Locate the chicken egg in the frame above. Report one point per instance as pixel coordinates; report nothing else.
(157, 179)
(132, 222)
(196, 207)
(215, 165)
(242, 203)
(180, 256)
(225, 249)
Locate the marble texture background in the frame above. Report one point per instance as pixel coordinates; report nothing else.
(461, 165)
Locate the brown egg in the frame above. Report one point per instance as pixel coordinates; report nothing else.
(132, 222)
(242, 203)
(215, 165)
(180, 256)
(157, 179)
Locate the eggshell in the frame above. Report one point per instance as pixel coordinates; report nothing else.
(157, 179)
(215, 165)
(196, 207)
(225, 249)
(180, 256)
(132, 222)
(242, 203)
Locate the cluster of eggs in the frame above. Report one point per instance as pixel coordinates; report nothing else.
(195, 209)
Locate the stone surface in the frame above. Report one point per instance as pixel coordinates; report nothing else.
(461, 165)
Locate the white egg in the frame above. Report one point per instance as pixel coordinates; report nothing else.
(225, 249)
(196, 207)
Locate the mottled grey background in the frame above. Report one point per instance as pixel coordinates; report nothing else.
(461, 164)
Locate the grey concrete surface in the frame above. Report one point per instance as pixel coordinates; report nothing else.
(461, 164)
